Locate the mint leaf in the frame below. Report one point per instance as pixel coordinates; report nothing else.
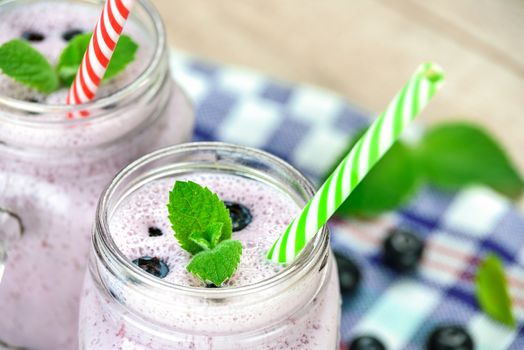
(71, 58)
(72, 55)
(453, 155)
(193, 208)
(26, 65)
(491, 289)
(124, 54)
(388, 185)
(209, 238)
(218, 264)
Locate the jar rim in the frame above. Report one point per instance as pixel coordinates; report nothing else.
(105, 247)
(100, 103)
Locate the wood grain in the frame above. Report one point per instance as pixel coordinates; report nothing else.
(365, 49)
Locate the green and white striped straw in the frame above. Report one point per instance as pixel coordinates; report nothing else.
(377, 140)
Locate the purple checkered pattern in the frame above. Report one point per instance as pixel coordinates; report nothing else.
(310, 127)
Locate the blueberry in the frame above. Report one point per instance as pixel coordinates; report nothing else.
(154, 231)
(239, 214)
(71, 33)
(348, 274)
(211, 285)
(449, 337)
(366, 342)
(402, 250)
(32, 36)
(152, 265)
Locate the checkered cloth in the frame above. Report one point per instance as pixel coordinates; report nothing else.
(310, 127)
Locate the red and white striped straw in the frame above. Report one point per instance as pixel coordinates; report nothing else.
(98, 54)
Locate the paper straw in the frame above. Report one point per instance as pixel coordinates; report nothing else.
(379, 137)
(98, 54)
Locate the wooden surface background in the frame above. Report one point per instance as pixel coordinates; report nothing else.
(365, 49)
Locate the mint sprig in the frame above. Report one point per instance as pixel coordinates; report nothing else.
(25, 64)
(491, 289)
(203, 227)
(192, 209)
(449, 155)
(72, 55)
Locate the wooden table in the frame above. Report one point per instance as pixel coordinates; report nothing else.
(365, 49)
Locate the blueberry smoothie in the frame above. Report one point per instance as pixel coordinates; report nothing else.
(261, 306)
(52, 169)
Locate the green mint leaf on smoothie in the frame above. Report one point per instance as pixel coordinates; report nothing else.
(491, 289)
(453, 155)
(192, 209)
(203, 227)
(218, 264)
(71, 58)
(23, 63)
(124, 54)
(209, 238)
(72, 55)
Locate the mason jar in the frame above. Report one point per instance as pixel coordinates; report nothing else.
(124, 307)
(53, 169)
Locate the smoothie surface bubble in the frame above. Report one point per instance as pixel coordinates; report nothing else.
(48, 26)
(271, 210)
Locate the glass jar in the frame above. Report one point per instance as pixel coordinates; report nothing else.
(124, 307)
(52, 171)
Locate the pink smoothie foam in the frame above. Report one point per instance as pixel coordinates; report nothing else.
(54, 185)
(314, 327)
(271, 211)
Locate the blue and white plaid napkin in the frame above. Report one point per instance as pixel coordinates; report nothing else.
(310, 127)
